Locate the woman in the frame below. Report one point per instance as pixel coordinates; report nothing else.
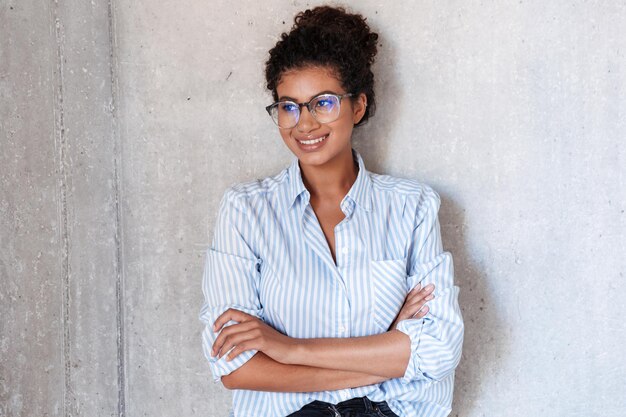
(317, 282)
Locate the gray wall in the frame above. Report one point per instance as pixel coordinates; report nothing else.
(114, 155)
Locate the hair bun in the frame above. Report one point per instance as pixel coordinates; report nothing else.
(353, 28)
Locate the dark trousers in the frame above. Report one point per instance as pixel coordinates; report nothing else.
(356, 407)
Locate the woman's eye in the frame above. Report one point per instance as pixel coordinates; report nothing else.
(324, 104)
(288, 107)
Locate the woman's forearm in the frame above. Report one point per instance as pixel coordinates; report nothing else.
(262, 373)
(385, 354)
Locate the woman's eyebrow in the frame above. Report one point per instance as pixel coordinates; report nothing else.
(281, 98)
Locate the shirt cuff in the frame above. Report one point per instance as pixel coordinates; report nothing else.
(220, 367)
(413, 329)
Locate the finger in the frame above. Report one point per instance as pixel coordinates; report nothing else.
(229, 330)
(412, 292)
(428, 289)
(226, 316)
(230, 314)
(239, 349)
(416, 288)
(235, 340)
(426, 297)
(421, 313)
(417, 303)
(419, 295)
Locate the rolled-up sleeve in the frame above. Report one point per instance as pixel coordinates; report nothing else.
(230, 279)
(437, 338)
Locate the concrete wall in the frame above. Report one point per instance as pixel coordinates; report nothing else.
(115, 154)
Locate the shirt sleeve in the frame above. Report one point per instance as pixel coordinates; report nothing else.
(437, 338)
(230, 279)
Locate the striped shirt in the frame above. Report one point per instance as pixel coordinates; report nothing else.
(269, 258)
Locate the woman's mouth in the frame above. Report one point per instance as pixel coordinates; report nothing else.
(312, 144)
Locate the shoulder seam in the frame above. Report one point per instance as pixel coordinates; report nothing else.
(407, 186)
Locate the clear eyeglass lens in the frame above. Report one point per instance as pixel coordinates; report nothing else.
(325, 109)
(286, 114)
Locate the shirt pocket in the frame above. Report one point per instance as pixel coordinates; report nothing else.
(389, 290)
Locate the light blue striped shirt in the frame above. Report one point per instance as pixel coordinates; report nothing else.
(270, 259)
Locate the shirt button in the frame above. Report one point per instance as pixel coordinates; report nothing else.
(344, 250)
(342, 329)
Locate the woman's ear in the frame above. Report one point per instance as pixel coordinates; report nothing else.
(358, 108)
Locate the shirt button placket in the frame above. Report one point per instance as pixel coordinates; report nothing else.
(342, 261)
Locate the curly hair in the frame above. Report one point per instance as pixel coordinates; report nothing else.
(328, 37)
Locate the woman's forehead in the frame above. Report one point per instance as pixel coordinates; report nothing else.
(304, 83)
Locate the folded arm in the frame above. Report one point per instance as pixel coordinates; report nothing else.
(385, 354)
(262, 373)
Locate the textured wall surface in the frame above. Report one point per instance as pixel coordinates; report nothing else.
(115, 151)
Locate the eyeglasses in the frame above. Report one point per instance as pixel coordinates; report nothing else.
(324, 108)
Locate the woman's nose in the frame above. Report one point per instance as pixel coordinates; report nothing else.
(307, 122)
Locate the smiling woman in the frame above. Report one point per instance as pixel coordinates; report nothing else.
(321, 135)
(327, 289)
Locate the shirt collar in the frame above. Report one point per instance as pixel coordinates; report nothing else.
(360, 192)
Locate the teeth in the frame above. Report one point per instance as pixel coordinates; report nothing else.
(312, 141)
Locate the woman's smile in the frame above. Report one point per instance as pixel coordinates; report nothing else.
(310, 144)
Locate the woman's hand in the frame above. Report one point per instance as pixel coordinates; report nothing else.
(414, 305)
(250, 333)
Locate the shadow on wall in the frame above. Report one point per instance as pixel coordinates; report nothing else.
(371, 139)
(482, 353)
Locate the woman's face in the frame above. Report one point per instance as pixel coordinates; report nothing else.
(301, 85)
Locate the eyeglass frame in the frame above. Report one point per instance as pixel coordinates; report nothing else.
(308, 107)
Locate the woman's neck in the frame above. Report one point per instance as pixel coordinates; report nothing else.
(331, 180)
